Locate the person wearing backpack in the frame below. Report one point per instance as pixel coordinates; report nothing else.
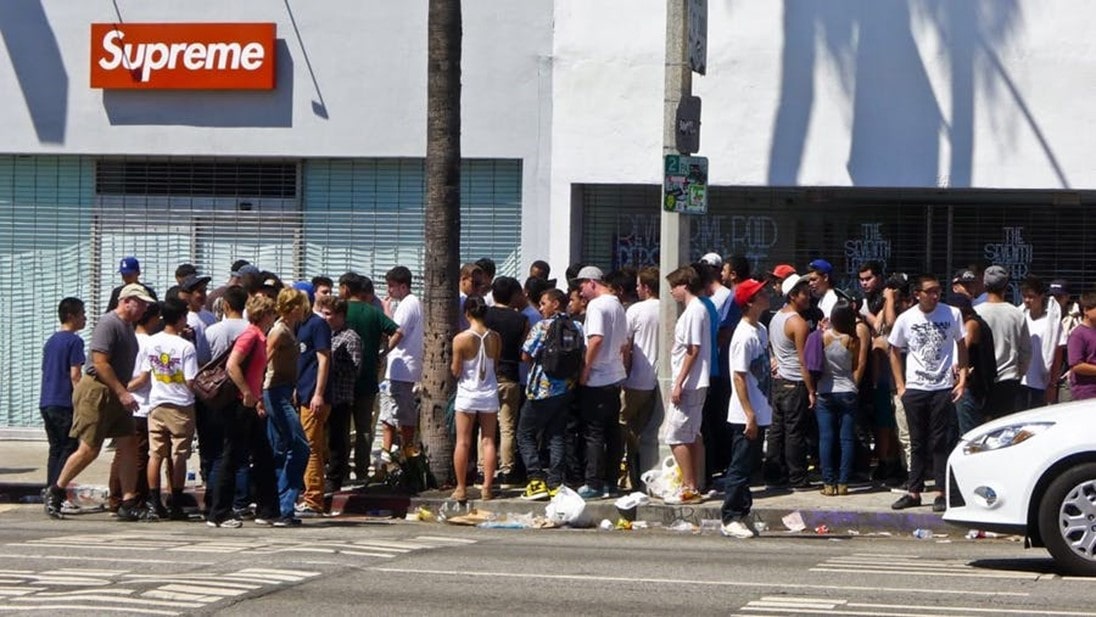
(475, 356)
(555, 347)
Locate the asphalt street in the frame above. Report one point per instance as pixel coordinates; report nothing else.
(91, 564)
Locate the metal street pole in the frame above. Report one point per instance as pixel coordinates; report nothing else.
(674, 227)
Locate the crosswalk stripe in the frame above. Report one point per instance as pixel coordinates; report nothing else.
(183, 597)
(83, 608)
(767, 605)
(95, 597)
(120, 591)
(794, 604)
(364, 554)
(407, 546)
(127, 559)
(204, 590)
(85, 572)
(206, 579)
(444, 539)
(301, 574)
(1016, 575)
(20, 591)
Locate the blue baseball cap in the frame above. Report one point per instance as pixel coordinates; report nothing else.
(821, 265)
(129, 265)
(307, 288)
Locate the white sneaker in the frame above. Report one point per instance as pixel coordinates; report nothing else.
(738, 529)
(68, 507)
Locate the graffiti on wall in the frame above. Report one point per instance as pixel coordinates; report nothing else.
(637, 238)
(1014, 254)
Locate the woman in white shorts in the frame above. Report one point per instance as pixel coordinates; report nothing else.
(475, 354)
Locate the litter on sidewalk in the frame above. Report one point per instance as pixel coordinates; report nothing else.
(794, 522)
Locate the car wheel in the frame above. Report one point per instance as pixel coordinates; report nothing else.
(1067, 520)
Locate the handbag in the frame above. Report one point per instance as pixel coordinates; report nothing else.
(212, 385)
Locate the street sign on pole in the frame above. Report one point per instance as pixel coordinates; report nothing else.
(687, 130)
(685, 184)
(698, 36)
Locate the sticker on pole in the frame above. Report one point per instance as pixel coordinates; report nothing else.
(685, 184)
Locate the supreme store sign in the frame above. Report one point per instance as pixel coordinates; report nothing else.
(183, 56)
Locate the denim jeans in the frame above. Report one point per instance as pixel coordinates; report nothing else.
(745, 459)
(546, 417)
(836, 425)
(600, 408)
(969, 412)
(289, 444)
(58, 423)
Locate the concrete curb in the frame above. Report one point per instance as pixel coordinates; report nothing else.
(840, 521)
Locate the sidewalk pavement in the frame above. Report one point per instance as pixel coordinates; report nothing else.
(865, 511)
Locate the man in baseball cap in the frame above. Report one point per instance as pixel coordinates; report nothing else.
(102, 404)
(1011, 343)
(712, 259)
(749, 411)
(820, 273)
(606, 330)
(130, 269)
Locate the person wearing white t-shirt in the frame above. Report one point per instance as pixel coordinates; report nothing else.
(399, 411)
(749, 411)
(1039, 384)
(640, 389)
(606, 329)
(932, 335)
(169, 364)
(690, 366)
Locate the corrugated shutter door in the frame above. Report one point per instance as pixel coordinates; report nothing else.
(769, 227)
(367, 215)
(45, 222)
(1047, 241)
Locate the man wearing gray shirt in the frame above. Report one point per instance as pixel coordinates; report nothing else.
(1011, 343)
(102, 406)
(221, 335)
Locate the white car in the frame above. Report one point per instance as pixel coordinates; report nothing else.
(1032, 474)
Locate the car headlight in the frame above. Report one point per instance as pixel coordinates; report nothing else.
(1005, 437)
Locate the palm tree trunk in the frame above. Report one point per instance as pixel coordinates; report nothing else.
(442, 226)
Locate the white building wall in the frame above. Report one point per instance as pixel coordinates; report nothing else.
(890, 93)
(873, 93)
(351, 83)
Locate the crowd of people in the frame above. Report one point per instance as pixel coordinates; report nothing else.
(781, 379)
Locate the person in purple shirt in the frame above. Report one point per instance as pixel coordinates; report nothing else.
(62, 361)
(1081, 350)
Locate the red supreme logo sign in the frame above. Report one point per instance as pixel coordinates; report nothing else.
(183, 56)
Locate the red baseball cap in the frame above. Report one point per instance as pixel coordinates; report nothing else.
(746, 290)
(783, 271)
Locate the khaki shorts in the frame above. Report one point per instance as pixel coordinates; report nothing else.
(683, 421)
(98, 415)
(398, 406)
(171, 430)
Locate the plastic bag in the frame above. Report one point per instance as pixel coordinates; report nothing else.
(567, 508)
(664, 479)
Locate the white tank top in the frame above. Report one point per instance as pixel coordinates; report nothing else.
(477, 387)
(787, 357)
